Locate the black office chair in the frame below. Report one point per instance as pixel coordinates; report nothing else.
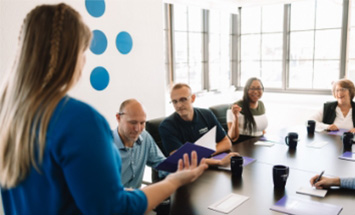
(220, 111)
(152, 126)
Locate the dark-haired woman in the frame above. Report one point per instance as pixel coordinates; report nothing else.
(246, 118)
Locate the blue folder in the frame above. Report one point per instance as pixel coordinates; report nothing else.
(171, 162)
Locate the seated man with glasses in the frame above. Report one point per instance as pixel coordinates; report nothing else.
(188, 124)
(137, 148)
(340, 113)
(247, 119)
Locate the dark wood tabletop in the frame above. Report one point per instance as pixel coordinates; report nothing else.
(257, 183)
(303, 157)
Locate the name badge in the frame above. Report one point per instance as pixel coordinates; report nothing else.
(203, 130)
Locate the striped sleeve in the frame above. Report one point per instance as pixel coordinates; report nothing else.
(348, 183)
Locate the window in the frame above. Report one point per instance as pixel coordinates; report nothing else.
(262, 44)
(298, 47)
(219, 50)
(351, 45)
(315, 41)
(200, 49)
(187, 43)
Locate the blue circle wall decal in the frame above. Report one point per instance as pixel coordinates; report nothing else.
(99, 42)
(124, 42)
(95, 8)
(99, 78)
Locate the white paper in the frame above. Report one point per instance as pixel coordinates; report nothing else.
(312, 191)
(228, 203)
(228, 168)
(319, 129)
(208, 140)
(317, 144)
(264, 143)
(296, 205)
(274, 138)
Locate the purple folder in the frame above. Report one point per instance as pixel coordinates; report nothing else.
(350, 156)
(171, 162)
(246, 160)
(340, 132)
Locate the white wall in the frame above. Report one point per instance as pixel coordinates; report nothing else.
(138, 74)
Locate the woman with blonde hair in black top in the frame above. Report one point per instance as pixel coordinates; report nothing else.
(340, 113)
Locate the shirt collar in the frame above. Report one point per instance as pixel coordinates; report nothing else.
(119, 141)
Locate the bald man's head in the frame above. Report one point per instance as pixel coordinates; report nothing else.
(131, 119)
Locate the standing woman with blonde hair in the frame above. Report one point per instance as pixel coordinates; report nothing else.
(56, 153)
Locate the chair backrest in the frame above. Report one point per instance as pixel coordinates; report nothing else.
(152, 126)
(220, 111)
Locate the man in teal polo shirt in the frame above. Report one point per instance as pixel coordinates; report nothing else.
(137, 148)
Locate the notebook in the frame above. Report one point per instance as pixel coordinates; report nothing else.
(295, 205)
(312, 191)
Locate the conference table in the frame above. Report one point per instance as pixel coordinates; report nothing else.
(257, 183)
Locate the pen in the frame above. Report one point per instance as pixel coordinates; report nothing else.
(319, 177)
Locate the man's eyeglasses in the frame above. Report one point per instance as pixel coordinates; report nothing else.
(181, 100)
(256, 89)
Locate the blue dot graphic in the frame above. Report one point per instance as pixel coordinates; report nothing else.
(99, 42)
(95, 8)
(99, 78)
(124, 42)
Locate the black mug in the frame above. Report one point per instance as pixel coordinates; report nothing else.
(347, 141)
(311, 126)
(280, 175)
(237, 166)
(291, 140)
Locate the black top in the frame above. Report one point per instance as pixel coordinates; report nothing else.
(329, 112)
(174, 131)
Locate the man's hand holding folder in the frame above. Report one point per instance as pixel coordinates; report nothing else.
(204, 148)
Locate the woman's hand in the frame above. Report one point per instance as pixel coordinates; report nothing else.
(333, 127)
(236, 110)
(187, 172)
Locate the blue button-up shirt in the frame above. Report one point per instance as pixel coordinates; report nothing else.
(144, 152)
